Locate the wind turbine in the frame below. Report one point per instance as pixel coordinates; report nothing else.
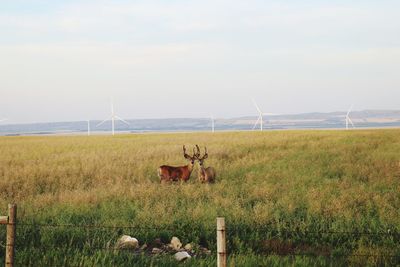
(113, 118)
(348, 120)
(260, 116)
(212, 124)
(88, 127)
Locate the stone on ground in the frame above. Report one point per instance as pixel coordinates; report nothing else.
(127, 242)
(176, 243)
(182, 255)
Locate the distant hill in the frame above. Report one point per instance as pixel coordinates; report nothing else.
(365, 118)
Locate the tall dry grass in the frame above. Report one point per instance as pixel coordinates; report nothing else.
(291, 180)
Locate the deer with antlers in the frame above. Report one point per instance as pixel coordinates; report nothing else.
(206, 175)
(182, 173)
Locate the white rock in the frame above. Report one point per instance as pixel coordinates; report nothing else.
(182, 255)
(188, 247)
(127, 242)
(176, 243)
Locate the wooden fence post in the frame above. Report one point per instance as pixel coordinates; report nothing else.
(11, 227)
(221, 242)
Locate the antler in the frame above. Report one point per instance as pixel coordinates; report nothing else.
(184, 152)
(198, 152)
(188, 156)
(205, 153)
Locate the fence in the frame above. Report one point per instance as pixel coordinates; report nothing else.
(268, 242)
(10, 221)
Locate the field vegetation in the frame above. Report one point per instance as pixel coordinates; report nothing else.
(289, 197)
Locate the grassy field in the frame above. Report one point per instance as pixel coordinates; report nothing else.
(327, 196)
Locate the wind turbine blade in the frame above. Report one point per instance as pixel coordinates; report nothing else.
(121, 119)
(352, 124)
(103, 122)
(348, 112)
(256, 122)
(257, 107)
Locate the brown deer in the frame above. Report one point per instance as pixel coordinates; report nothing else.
(182, 173)
(206, 175)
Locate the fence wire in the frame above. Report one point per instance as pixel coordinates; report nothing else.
(96, 226)
(229, 230)
(264, 233)
(140, 252)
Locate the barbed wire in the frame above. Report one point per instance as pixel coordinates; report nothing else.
(236, 229)
(229, 230)
(83, 247)
(310, 233)
(97, 226)
(144, 251)
(258, 234)
(148, 251)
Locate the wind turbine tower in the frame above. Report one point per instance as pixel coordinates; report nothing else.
(348, 120)
(260, 116)
(113, 118)
(212, 123)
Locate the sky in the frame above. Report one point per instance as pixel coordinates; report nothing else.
(65, 60)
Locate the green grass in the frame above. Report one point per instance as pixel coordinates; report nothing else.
(314, 193)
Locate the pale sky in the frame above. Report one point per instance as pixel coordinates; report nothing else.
(64, 60)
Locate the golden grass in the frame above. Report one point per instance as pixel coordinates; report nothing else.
(330, 173)
(310, 180)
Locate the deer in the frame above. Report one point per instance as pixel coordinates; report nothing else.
(206, 175)
(182, 173)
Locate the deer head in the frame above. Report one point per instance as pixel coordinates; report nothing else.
(201, 159)
(188, 157)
